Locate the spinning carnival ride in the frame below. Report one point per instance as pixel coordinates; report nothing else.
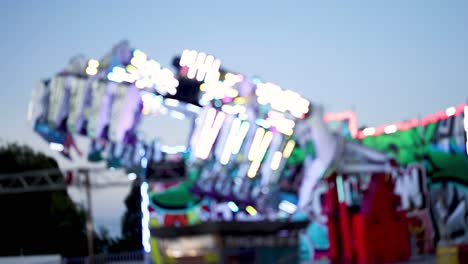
(246, 181)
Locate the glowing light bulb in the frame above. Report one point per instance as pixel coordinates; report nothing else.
(251, 210)
(91, 71)
(275, 162)
(368, 131)
(288, 149)
(146, 236)
(93, 63)
(390, 129)
(233, 206)
(253, 169)
(132, 176)
(450, 111)
(287, 206)
(56, 146)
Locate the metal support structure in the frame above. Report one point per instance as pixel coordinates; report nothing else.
(89, 217)
(54, 180)
(32, 181)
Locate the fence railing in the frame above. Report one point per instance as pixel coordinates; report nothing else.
(120, 258)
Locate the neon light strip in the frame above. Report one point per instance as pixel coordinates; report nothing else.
(341, 116)
(275, 162)
(253, 169)
(412, 123)
(213, 122)
(235, 128)
(465, 122)
(287, 206)
(260, 144)
(240, 138)
(223, 137)
(199, 124)
(145, 238)
(288, 149)
(256, 141)
(340, 189)
(264, 145)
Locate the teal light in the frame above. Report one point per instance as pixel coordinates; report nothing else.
(340, 188)
(233, 206)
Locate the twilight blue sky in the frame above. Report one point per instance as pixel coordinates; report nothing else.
(387, 61)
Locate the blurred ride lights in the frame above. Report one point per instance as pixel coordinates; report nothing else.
(132, 176)
(251, 210)
(412, 123)
(211, 127)
(233, 206)
(56, 146)
(145, 73)
(201, 66)
(146, 217)
(92, 67)
(282, 100)
(287, 207)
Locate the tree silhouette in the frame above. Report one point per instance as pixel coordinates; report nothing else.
(38, 222)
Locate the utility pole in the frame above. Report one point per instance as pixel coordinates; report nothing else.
(89, 217)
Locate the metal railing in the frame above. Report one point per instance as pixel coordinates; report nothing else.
(120, 258)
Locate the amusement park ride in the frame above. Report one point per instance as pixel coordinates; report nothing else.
(254, 155)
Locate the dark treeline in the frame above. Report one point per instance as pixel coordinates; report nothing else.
(49, 222)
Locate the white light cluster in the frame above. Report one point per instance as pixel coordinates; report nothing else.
(56, 146)
(368, 131)
(390, 129)
(119, 74)
(146, 73)
(282, 100)
(214, 89)
(450, 111)
(281, 123)
(218, 90)
(152, 104)
(92, 67)
(200, 66)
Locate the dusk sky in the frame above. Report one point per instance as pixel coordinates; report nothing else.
(387, 61)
